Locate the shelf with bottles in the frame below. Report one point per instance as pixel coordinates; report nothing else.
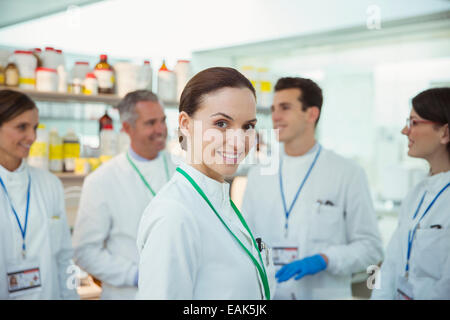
(52, 75)
(110, 99)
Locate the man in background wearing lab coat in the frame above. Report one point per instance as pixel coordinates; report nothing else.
(315, 211)
(115, 196)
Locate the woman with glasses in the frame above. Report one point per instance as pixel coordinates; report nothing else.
(417, 264)
(193, 241)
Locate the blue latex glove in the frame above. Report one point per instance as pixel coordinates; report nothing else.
(307, 266)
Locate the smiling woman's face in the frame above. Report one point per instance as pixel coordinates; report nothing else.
(221, 132)
(18, 134)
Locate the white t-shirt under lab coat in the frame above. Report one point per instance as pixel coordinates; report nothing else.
(346, 232)
(185, 250)
(111, 205)
(47, 235)
(429, 273)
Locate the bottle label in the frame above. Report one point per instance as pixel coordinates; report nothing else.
(30, 81)
(71, 150)
(105, 78)
(266, 86)
(38, 149)
(56, 152)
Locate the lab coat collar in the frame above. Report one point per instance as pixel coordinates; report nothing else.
(219, 195)
(435, 183)
(137, 157)
(216, 191)
(20, 172)
(311, 152)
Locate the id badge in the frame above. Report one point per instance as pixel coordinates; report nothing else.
(404, 289)
(284, 253)
(24, 277)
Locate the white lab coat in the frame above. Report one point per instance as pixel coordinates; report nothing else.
(347, 232)
(47, 236)
(112, 201)
(429, 272)
(185, 250)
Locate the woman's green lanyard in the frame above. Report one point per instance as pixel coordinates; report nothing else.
(261, 269)
(143, 178)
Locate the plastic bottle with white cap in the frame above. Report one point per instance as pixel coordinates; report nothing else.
(90, 84)
(71, 150)
(26, 62)
(183, 74)
(50, 58)
(145, 77)
(38, 155)
(108, 141)
(46, 79)
(56, 153)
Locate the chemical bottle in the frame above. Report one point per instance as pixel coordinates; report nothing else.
(167, 87)
(183, 73)
(50, 58)
(104, 120)
(90, 84)
(105, 75)
(38, 156)
(12, 75)
(145, 77)
(264, 89)
(108, 141)
(71, 150)
(26, 62)
(62, 78)
(56, 153)
(60, 59)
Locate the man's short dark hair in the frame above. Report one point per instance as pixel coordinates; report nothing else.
(311, 93)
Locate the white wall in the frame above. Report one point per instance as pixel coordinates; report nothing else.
(174, 29)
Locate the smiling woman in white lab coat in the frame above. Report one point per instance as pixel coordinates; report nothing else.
(417, 264)
(193, 241)
(35, 245)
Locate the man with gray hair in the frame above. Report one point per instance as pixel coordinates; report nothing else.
(115, 196)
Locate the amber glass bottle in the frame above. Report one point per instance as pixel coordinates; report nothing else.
(105, 75)
(104, 121)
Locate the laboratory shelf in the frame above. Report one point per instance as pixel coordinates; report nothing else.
(69, 175)
(110, 99)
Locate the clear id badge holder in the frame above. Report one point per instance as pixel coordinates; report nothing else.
(23, 276)
(404, 289)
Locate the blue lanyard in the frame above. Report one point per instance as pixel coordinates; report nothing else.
(412, 232)
(280, 175)
(23, 230)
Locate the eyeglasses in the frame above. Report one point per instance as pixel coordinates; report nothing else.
(414, 122)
